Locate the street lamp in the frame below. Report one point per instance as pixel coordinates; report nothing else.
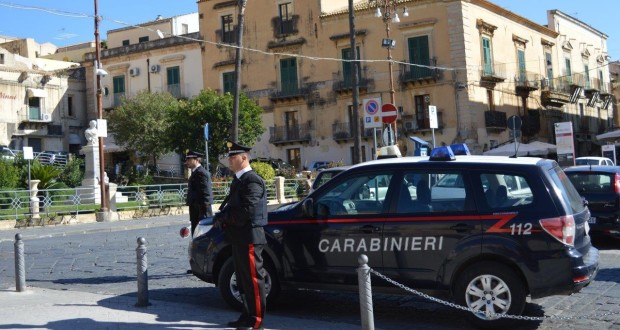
(99, 72)
(389, 15)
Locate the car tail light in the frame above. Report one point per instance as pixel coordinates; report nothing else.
(184, 232)
(617, 183)
(561, 228)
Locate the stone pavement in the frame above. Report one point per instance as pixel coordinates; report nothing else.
(67, 310)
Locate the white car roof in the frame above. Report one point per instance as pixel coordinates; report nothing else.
(460, 159)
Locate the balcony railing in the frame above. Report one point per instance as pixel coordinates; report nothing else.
(495, 72)
(413, 73)
(342, 131)
(289, 133)
(346, 85)
(527, 81)
(283, 28)
(423, 123)
(288, 92)
(175, 90)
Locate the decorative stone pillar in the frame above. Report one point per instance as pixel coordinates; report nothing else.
(34, 200)
(280, 196)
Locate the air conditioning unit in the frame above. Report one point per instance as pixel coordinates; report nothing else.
(411, 125)
(46, 117)
(134, 72)
(154, 68)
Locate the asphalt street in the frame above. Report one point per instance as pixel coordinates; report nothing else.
(100, 258)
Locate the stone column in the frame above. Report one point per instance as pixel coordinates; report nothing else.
(34, 200)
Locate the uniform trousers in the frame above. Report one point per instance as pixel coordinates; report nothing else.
(248, 261)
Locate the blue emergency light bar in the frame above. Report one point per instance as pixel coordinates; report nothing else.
(460, 149)
(442, 153)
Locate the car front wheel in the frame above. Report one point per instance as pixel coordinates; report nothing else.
(491, 289)
(227, 283)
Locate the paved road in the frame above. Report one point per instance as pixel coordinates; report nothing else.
(101, 258)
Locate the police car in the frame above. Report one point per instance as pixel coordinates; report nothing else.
(509, 228)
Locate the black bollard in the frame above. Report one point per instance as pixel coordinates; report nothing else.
(142, 267)
(20, 272)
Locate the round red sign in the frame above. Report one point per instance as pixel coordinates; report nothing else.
(388, 113)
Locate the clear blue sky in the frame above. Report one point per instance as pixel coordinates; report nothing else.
(64, 30)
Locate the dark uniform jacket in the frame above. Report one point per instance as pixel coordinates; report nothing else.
(199, 187)
(244, 212)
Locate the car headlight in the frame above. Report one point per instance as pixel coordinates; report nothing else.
(203, 227)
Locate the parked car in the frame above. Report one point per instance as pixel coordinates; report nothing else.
(480, 254)
(600, 186)
(594, 161)
(326, 175)
(317, 165)
(7, 154)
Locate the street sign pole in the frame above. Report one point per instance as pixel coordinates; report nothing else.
(432, 119)
(207, 147)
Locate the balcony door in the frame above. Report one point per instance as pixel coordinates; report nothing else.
(347, 67)
(486, 57)
(288, 76)
(419, 54)
(291, 124)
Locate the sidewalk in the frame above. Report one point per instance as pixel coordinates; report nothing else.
(65, 310)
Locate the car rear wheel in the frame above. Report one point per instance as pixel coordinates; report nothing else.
(227, 283)
(491, 289)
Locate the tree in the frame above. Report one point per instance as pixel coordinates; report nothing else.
(140, 123)
(187, 130)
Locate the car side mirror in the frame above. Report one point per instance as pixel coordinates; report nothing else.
(307, 208)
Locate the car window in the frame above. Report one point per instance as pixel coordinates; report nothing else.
(323, 177)
(504, 190)
(359, 194)
(566, 190)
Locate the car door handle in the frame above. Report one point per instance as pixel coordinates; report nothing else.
(462, 227)
(369, 229)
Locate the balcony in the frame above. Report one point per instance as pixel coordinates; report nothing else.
(343, 132)
(525, 82)
(54, 130)
(345, 86)
(289, 93)
(493, 72)
(576, 79)
(411, 74)
(283, 28)
(495, 121)
(555, 92)
(421, 125)
(175, 90)
(290, 134)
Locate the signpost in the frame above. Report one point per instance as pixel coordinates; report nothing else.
(564, 143)
(372, 118)
(207, 147)
(29, 155)
(432, 120)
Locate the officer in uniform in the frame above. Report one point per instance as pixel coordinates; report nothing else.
(242, 216)
(199, 194)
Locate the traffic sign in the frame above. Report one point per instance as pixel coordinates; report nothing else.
(432, 116)
(514, 122)
(388, 113)
(207, 131)
(372, 115)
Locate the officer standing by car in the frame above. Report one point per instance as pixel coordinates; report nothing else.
(242, 216)
(199, 194)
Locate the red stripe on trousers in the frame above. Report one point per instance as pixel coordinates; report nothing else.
(255, 286)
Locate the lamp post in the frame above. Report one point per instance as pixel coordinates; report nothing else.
(98, 73)
(389, 15)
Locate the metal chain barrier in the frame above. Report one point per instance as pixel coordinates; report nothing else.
(507, 316)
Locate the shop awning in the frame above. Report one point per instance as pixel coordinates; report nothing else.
(37, 92)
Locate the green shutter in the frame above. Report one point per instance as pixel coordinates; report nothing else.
(419, 53)
(229, 82)
(486, 56)
(521, 59)
(288, 75)
(347, 67)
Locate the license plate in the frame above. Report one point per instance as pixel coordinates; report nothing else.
(592, 220)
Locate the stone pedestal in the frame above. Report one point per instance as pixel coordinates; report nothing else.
(90, 191)
(34, 200)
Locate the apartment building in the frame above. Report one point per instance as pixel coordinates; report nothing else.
(163, 55)
(42, 101)
(476, 62)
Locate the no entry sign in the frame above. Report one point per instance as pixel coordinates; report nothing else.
(388, 113)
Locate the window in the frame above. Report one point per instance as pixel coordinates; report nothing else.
(118, 90)
(586, 74)
(419, 54)
(34, 108)
(487, 58)
(421, 110)
(362, 193)
(549, 62)
(228, 30)
(143, 39)
(288, 76)
(293, 157)
(503, 190)
(173, 81)
(601, 82)
(521, 62)
(291, 124)
(1, 58)
(70, 106)
(286, 18)
(125, 42)
(228, 82)
(347, 67)
(569, 71)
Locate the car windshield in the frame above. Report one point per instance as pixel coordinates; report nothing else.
(566, 190)
(591, 182)
(586, 162)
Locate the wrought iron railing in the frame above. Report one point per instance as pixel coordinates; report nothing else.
(61, 205)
